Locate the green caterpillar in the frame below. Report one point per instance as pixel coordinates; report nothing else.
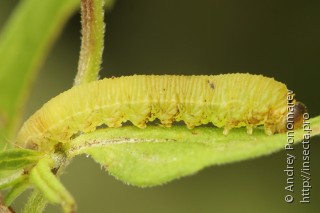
(230, 100)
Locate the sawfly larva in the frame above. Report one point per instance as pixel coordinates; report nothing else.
(230, 100)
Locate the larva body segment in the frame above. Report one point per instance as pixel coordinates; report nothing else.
(231, 100)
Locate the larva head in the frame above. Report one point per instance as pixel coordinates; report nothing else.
(296, 117)
(298, 111)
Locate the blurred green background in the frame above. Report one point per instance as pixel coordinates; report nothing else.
(279, 39)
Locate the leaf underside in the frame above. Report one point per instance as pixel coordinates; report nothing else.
(156, 155)
(18, 158)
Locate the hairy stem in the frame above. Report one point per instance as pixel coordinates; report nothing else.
(36, 203)
(92, 14)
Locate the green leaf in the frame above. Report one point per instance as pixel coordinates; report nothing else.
(156, 155)
(24, 43)
(18, 158)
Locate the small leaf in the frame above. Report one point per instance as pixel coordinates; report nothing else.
(46, 182)
(16, 190)
(156, 155)
(18, 158)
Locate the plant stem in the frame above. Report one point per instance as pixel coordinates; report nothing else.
(92, 14)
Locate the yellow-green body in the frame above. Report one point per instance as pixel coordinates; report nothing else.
(231, 100)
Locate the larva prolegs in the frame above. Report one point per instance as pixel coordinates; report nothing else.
(226, 130)
(249, 129)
